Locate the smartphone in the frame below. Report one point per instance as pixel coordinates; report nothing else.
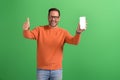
(82, 22)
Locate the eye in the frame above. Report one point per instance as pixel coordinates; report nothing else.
(55, 17)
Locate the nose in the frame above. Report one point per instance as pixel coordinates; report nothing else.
(53, 19)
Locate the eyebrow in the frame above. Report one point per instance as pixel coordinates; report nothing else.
(55, 16)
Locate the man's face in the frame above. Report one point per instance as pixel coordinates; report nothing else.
(53, 18)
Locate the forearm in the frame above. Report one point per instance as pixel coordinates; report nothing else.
(74, 39)
(28, 34)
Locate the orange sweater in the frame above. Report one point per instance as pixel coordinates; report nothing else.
(50, 42)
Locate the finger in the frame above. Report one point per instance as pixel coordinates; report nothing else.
(28, 19)
(24, 24)
(78, 26)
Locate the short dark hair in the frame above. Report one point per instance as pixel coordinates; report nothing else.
(53, 9)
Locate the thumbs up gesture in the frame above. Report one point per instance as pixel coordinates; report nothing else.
(26, 25)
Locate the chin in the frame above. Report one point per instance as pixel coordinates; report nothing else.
(53, 25)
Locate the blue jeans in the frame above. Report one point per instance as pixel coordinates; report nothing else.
(49, 74)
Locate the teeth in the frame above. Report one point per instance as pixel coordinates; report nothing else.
(53, 22)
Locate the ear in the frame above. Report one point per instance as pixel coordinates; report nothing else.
(59, 19)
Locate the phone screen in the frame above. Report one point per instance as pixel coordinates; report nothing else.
(83, 22)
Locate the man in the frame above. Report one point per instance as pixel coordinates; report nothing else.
(50, 41)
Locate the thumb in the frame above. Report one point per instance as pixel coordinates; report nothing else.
(78, 28)
(28, 20)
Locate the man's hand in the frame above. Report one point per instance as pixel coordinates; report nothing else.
(80, 30)
(26, 25)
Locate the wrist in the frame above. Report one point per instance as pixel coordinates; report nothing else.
(26, 28)
(78, 32)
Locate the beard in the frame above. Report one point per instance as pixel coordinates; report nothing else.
(53, 23)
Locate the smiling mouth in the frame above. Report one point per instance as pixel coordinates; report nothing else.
(53, 22)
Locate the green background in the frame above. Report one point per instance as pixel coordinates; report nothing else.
(97, 57)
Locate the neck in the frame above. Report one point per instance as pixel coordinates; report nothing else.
(52, 26)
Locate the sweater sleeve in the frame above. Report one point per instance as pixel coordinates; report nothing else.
(72, 39)
(31, 34)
